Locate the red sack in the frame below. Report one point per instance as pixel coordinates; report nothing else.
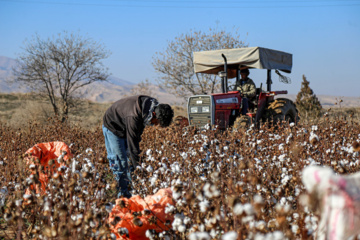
(125, 209)
(45, 152)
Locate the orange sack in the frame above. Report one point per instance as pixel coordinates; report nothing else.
(151, 208)
(45, 152)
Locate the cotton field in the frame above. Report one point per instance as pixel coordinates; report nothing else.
(235, 184)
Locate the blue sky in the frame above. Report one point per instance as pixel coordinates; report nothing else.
(322, 35)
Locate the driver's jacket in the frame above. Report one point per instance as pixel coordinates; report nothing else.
(246, 87)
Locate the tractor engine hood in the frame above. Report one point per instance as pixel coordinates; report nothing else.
(212, 62)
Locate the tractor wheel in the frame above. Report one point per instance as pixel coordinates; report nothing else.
(242, 122)
(281, 109)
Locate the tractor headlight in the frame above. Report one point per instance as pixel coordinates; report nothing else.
(205, 109)
(194, 109)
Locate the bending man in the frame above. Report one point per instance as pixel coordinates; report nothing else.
(123, 124)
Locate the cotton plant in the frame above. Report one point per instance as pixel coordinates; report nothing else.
(206, 171)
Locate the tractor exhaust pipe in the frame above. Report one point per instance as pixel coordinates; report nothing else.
(224, 77)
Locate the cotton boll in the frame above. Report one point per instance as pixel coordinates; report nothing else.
(27, 196)
(169, 208)
(199, 236)
(204, 205)
(248, 208)
(313, 138)
(247, 219)
(261, 225)
(153, 179)
(230, 236)
(184, 155)
(281, 147)
(295, 229)
(148, 152)
(149, 234)
(258, 199)
(277, 235)
(176, 195)
(213, 233)
(259, 236)
(282, 157)
(175, 167)
(187, 220)
(238, 209)
(181, 228)
(149, 169)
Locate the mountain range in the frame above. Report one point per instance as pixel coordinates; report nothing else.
(115, 88)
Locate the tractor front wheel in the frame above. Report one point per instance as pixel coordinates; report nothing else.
(281, 109)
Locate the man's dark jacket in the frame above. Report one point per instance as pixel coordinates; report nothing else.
(127, 118)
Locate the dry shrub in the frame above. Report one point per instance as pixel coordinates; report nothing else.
(179, 111)
(31, 111)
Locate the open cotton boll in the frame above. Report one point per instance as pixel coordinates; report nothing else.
(204, 205)
(148, 152)
(149, 234)
(89, 150)
(149, 169)
(238, 209)
(294, 228)
(199, 236)
(175, 167)
(230, 236)
(258, 199)
(176, 195)
(248, 208)
(181, 228)
(313, 137)
(169, 208)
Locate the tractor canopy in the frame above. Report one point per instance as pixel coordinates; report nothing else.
(212, 62)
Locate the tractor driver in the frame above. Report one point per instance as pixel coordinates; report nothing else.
(247, 89)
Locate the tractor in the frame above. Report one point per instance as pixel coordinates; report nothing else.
(224, 109)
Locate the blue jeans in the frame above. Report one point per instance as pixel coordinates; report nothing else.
(116, 154)
(245, 106)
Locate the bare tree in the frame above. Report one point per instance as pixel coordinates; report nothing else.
(176, 66)
(59, 66)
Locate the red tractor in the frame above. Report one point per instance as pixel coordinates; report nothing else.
(224, 109)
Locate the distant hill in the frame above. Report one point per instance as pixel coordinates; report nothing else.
(102, 92)
(329, 101)
(6, 65)
(115, 88)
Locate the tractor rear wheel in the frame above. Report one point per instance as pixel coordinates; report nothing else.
(281, 109)
(242, 122)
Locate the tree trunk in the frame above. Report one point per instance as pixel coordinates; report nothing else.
(65, 111)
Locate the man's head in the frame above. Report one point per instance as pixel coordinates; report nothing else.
(244, 73)
(163, 115)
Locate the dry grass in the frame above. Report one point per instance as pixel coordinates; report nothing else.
(17, 109)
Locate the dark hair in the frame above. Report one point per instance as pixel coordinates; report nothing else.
(164, 114)
(246, 71)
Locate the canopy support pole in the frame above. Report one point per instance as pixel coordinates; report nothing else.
(268, 81)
